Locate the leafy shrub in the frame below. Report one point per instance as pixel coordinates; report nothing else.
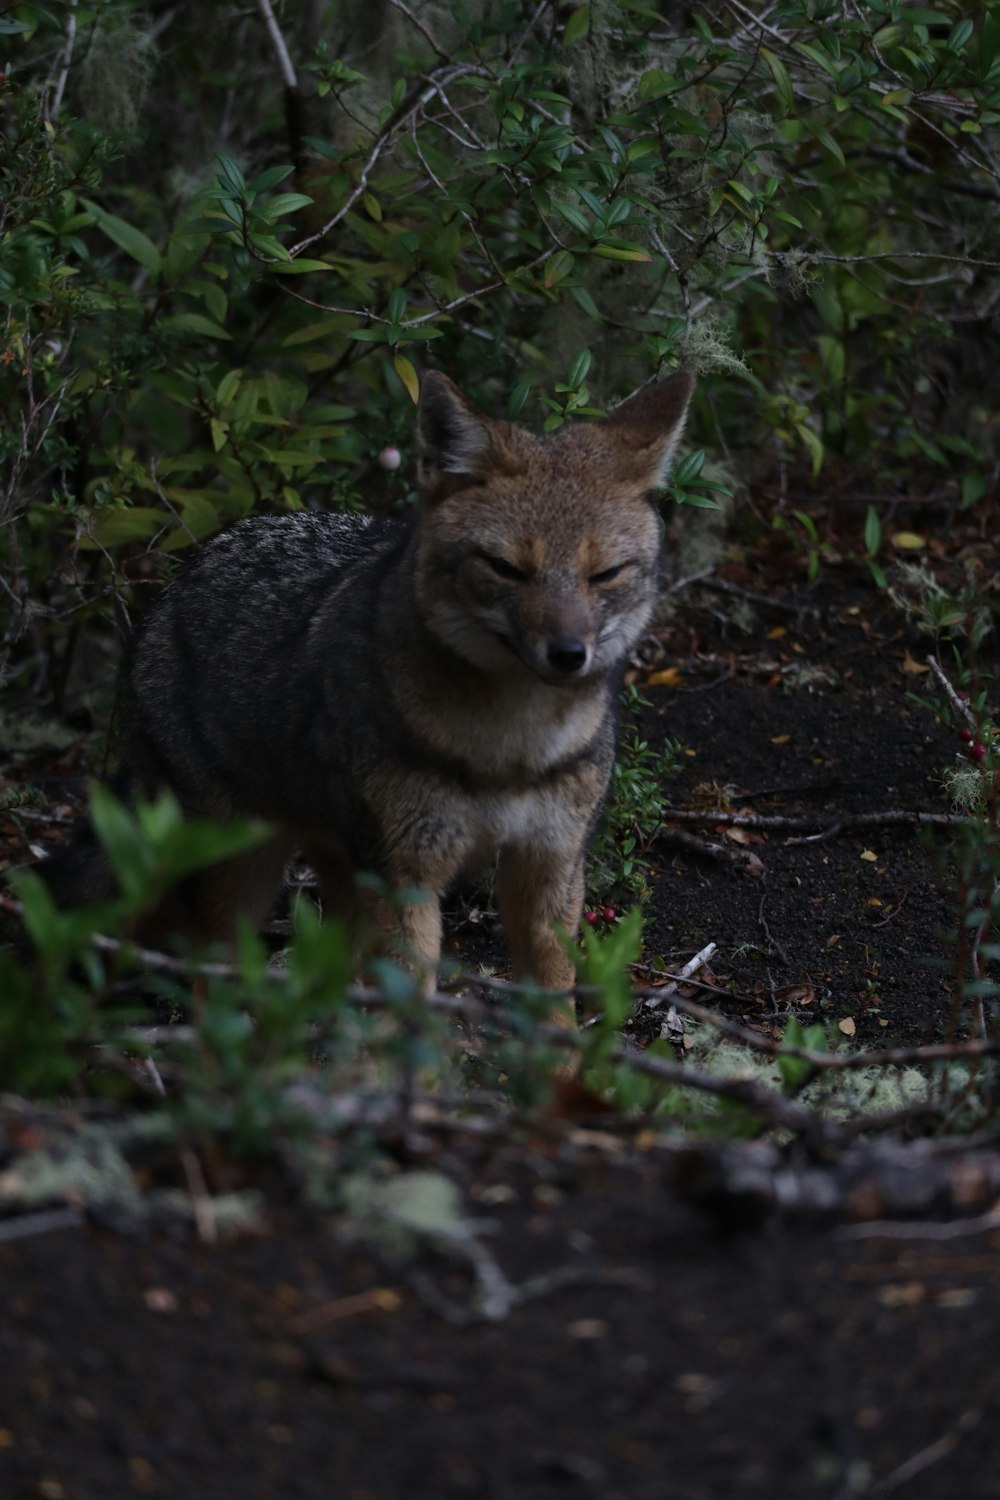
(222, 261)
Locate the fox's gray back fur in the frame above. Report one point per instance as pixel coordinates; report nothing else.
(405, 697)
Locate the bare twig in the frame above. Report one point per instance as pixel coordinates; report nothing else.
(424, 30)
(696, 845)
(891, 817)
(201, 1199)
(923, 1459)
(288, 75)
(661, 996)
(23, 1226)
(65, 60)
(895, 1229)
(959, 705)
(399, 120)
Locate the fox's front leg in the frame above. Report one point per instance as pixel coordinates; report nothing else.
(410, 932)
(540, 890)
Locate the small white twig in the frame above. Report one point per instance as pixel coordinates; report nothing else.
(896, 1229)
(654, 1001)
(22, 1226)
(958, 704)
(421, 27)
(288, 74)
(67, 58)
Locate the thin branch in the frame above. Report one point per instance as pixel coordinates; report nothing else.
(891, 817)
(893, 1229)
(960, 706)
(274, 31)
(23, 1226)
(397, 121)
(424, 30)
(661, 995)
(67, 58)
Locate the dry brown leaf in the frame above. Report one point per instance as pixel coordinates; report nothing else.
(903, 1294)
(780, 739)
(847, 1026)
(910, 664)
(738, 835)
(869, 855)
(776, 633)
(834, 939)
(668, 677)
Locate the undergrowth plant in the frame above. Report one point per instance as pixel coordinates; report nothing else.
(224, 261)
(619, 870)
(224, 264)
(962, 690)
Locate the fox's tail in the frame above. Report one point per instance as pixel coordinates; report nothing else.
(79, 873)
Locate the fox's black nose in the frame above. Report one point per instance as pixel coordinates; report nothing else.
(567, 655)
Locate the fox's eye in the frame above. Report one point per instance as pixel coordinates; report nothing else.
(503, 569)
(609, 575)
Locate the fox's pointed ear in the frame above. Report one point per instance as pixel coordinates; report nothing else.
(454, 436)
(647, 427)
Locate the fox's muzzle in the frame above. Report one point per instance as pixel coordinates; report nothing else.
(567, 655)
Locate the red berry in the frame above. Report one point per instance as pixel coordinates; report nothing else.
(977, 751)
(591, 918)
(609, 914)
(966, 734)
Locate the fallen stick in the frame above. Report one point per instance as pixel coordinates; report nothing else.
(801, 824)
(659, 997)
(960, 706)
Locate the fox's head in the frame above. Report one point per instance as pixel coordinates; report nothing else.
(541, 553)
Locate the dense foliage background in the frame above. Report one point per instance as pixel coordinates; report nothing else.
(230, 239)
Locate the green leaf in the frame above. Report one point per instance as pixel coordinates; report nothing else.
(193, 322)
(518, 396)
(612, 251)
(873, 531)
(818, 57)
(267, 245)
(300, 266)
(654, 83)
(573, 216)
(557, 267)
(285, 203)
(136, 244)
(135, 524)
(828, 143)
(813, 443)
(270, 178)
(579, 369)
(408, 376)
(577, 26)
(782, 82)
(228, 386)
(232, 173)
(584, 300)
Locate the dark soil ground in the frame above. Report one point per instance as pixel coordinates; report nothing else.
(686, 1358)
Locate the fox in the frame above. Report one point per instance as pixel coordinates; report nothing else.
(409, 697)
